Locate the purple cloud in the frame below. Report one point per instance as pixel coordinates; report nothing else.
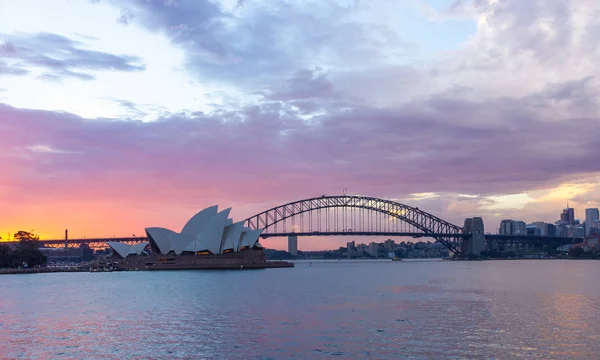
(506, 113)
(256, 43)
(269, 151)
(61, 57)
(6, 69)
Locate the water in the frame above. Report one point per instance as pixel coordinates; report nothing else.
(346, 310)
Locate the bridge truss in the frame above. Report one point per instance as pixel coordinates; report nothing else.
(347, 215)
(355, 215)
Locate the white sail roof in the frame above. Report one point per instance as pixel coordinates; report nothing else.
(138, 249)
(232, 236)
(208, 230)
(123, 249)
(195, 245)
(211, 234)
(193, 226)
(161, 238)
(179, 242)
(250, 237)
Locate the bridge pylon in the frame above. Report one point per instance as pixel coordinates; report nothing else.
(474, 243)
(293, 244)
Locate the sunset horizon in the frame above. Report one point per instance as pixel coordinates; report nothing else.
(120, 115)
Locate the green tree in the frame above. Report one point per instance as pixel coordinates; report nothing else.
(26, 235)
(27, 251)
(6, 256)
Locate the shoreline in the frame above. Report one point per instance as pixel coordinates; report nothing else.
(44, 270)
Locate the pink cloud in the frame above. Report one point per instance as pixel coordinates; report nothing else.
(110, 175)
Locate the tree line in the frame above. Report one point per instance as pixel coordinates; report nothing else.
(26, 253)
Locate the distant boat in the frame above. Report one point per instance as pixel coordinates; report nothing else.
(395, 258)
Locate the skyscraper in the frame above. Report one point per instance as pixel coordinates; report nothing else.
(591, 215)
(506, 227)
(519, 228)
(512, 227)
(568, 216)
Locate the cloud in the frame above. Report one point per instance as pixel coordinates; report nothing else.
(59, 57)
(520, 46)
(134, 110)
(436, 145)
(255, 44)
(303, 84)
(6, 69)
(259, 46)
(338, 99)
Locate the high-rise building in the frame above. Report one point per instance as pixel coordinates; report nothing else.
(551, 230)
(533, 230)
(545, 228)
(568, 216)
(293, 244)
(505, 227)
(390, 245)
(519, 228)
(512, 227)
(373, 249)
(540, 225)
(595, 228)
(591, 215)
(575, 231)
(361, 248)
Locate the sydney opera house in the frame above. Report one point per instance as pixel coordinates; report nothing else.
(209, 240)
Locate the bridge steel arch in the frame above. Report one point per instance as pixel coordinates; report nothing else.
(430, 225)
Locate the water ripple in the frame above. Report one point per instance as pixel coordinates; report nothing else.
(482, 310)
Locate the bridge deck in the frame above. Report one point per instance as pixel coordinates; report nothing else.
(489, 237)
(361, 233)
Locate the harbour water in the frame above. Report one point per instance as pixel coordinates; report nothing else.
(323, 309)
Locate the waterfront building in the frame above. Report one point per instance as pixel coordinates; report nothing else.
(540, 225)
(71, 254)
(533, 230)
(505, 227)
(512, 227)
(351, 246)
(573, 231)
(591, 216)
(550, 230)
(351, 249)
(560, 228)
(373, 249)
(519, 227)
(545, 228)
(209, 240)
(390, 245)
(595, 227)
(361, 248)
(207, 232)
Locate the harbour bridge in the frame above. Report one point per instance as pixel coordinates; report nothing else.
(349, 215)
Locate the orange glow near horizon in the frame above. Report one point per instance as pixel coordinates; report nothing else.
(114, 217)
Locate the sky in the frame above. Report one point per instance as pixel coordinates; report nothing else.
(116, 115)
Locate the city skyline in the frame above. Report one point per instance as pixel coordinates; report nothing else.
(119, 114)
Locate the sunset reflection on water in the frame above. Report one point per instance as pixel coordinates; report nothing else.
(349, 310)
